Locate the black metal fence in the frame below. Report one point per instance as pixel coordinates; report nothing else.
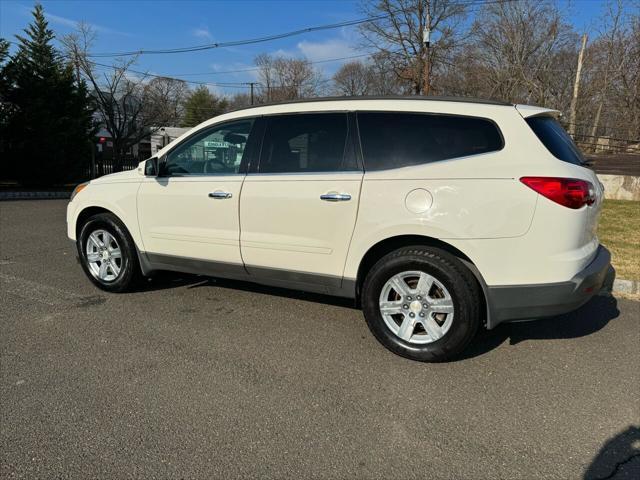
(104, 166)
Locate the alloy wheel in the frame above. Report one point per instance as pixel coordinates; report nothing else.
(416, 307)
(104, 257)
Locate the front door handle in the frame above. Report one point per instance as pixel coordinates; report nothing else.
(220, 195)
(335, 197)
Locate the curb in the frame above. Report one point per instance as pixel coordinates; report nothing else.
(630, 287)
(34, 195)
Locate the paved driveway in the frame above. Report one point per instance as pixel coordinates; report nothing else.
(199, 378)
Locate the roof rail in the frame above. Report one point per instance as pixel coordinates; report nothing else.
(381, 97)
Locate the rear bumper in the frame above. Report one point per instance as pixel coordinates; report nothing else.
(524, 302)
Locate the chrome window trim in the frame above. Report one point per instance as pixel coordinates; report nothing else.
(298, 174)
(207, 175)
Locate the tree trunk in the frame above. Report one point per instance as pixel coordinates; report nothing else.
(117, 157)
(427, 74)
(576, 88)
(596, 121)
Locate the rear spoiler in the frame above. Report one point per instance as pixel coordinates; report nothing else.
(528, 111)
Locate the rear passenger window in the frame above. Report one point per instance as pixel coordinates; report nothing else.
(556, 139)
(394, 140)
(306, 143)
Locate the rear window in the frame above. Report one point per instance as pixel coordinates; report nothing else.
(556, 139)
(394, 140)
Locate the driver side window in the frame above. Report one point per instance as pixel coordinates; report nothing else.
(215, 151)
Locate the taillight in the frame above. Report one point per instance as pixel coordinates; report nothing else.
(569, 192)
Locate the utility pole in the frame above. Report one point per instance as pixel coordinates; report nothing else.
(251, 84)
(576, 88)
(426, 42)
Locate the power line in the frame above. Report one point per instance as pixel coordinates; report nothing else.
(236, 43)
(195, 82)
(247, 85)
(277, 36)
(254, 69)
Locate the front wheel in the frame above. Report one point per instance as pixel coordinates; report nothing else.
(422, 303)
(107, 253)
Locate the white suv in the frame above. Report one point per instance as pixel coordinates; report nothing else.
(438, 216)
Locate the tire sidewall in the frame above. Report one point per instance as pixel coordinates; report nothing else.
(127, 272)
(465, 321)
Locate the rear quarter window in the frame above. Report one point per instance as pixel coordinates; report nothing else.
(555, 139)
(394, 140)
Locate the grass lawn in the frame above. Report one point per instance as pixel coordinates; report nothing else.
(619, 231)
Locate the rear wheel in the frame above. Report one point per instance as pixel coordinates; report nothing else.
(107, 253)
(422, 303)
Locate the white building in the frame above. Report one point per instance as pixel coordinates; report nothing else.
(164, 136)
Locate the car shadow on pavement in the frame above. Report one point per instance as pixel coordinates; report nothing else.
(588, 319)
(163, 280)
(618, 458)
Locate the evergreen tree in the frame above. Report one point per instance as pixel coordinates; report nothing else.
(201, 105)
(4, 50)
(50, 124)
(5, 107)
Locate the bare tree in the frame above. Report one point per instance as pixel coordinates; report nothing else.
(606, 56)
(238, 100)
(384, 80)
(130, 105)
(375, 77)
(283, 78)
(399, 37)
(352, 79)
(166, 98)
(626, 92)
(520, 46)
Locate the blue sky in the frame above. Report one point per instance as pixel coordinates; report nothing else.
(130, 25)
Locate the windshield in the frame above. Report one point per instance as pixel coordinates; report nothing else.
(556, 139)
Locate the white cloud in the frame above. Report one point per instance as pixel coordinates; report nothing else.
(281, 52)
(68, 22)
(331, 48)
(203, 33)
(236, 70)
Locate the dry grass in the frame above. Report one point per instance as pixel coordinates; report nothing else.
(619, 231)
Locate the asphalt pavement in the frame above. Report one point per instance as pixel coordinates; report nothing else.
(192, 377)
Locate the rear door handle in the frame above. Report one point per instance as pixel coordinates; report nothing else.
(335, 197)
(220, 195)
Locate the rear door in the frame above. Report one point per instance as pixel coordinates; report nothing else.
(299, 204)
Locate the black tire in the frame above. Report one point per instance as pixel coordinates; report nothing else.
(450, 272)
(130, 273)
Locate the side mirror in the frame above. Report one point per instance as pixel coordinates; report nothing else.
(151, 167)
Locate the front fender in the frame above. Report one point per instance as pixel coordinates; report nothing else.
(117, 198)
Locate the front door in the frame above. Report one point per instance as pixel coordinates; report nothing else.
(298, 208)
(188, 215)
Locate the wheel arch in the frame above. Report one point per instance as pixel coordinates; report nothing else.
(87, 213)
(92, 210)
(383, 247)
